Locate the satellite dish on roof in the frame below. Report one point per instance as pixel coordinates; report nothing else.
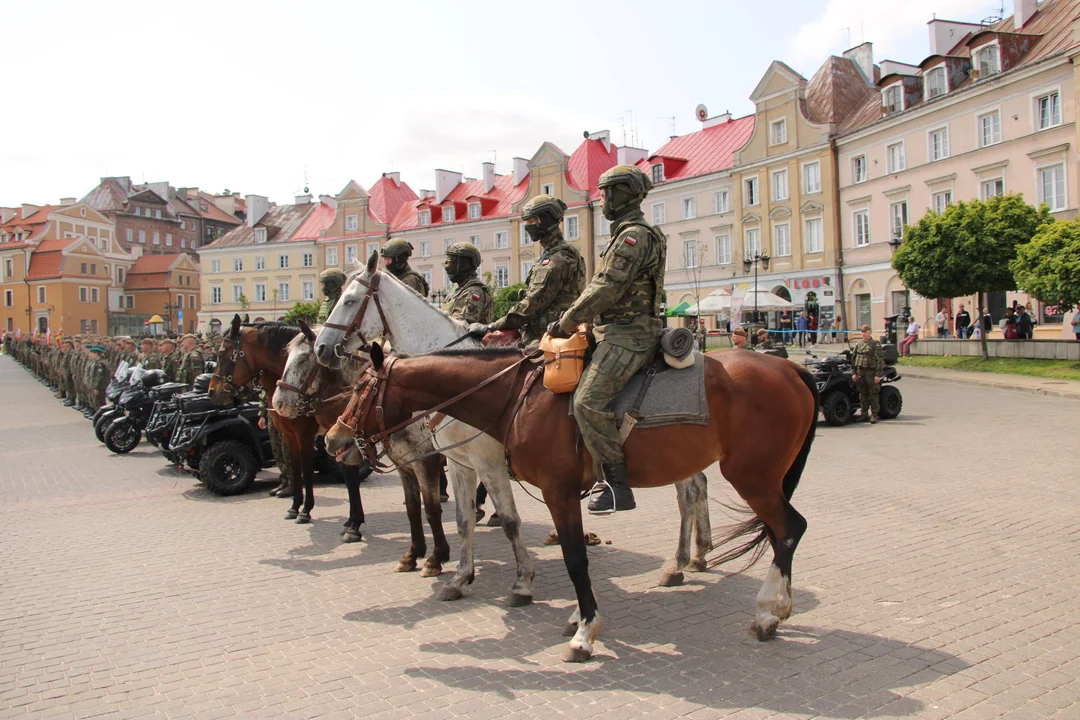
(701, 113)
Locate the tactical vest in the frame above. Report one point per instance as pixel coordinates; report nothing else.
(645, 293)
(416, 279)
(568, 293)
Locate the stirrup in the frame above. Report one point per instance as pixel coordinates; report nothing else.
(597, 491)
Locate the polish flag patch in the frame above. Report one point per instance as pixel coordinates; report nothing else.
(545, 262)
(475, 297)
(630, 241)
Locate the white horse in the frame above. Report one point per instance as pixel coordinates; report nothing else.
(372, 298)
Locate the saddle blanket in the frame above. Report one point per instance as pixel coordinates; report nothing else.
(674, 397)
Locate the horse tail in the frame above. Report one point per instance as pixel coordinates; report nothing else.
(754, 527)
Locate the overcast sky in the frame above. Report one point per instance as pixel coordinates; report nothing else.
(265, 97)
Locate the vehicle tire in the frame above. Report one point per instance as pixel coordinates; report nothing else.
(836, 408)
(228, 468)
(122, 436)
(890, 403)
(102, 425)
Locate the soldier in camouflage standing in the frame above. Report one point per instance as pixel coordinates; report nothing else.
(191, 364)
(396, 255)
(278, 447)
(332, 281)
(170, 359)
(868, 362)
(470, 300)
(67, 385)
(98, 376)
(148, 357)
(555, 281)
(623, 300)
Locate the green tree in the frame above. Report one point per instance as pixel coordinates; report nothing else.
(506, 299)
(967, 249)
(244, 303)
(307, 312)
(1049, 266)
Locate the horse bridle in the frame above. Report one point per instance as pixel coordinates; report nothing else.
(238, 354)
(358, 318)
(306, 405)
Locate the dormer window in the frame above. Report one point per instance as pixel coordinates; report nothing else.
(987, 61)
(260, 235)
(894, 99)
(352, 223)
(425, 217)
(658, 173)
(778, 132)
(936, 83)
(448, 214)
(474, 211)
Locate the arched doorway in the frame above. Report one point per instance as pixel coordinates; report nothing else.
(215, 327)
(260, 319)
(43, 324)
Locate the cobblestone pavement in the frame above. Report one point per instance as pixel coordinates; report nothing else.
(936, 580)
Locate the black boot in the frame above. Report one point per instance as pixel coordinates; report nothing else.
(615, 494)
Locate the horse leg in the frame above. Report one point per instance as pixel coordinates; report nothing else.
(565, 508)
(464, 481)
(672, 575)
(497, 483)
(428, 474)
(418, 546)
(785, 527)
(699, 488)
(307, 467)
(351, 533)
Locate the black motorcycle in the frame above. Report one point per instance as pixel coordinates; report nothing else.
(124, 433)
(837, 390)
(111, 410)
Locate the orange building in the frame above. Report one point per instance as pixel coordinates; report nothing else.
(165, 285)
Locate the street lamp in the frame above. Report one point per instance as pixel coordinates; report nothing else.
(896, 240)
(751, 261)
(168, 311)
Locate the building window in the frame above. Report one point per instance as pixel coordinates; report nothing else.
(183, 225)
(9, 268)
(993, 188)
(862, 228)
(572, 228)
(990, 128)
(94, 295)
(331, 256)
(858, 169)
(723, 249)
(659, 213)
(720, 201)
(1048, 110)
(82, 269)
(658, 172)
(813, 238)
(894, 157)
(260, 236)
(502, 276)
(260, 262)
(142, 237)
(183, 242)
(526, 268)
(426, 274)
(424, 217)
(157, 214)
(751, 192)
(157, 238)
(446, 243)
(782, 240)
(525, 239)
(987, 61)
(238, 264)
(283, 261)
(474, 211)
(168, 239)
(307, 290)
(939, 144)
(1052, 187)
(689, 208)
(753, 241)
(502, 240)
(41, 295)
(935, 83)
(215, 295)
(350, 255)
(191, 302)
(448, 214)
(894, 99)
(215, 266)
(811, 175)
(105, 244)
(84, 294)
(260, 292)
(689, 253)
(237, 291)
(283, 289)
(127, 235)
(9, 298)
(308, 260)
(352, 222)
(898, 218)
(547, 189)
(779, 185)
(93, 268)
(778, 132)
(372, 247)
(941, 201)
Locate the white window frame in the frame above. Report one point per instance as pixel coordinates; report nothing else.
(977, 64)
(449, 214)
(778, 229)
(1061, 190)
(128, 235)
(605, 227)
(901, 157)
(284, 291)
(474, 211)
(41, 295)
(502, 240)
(547, 189)
(215, 266)
(307, 260)
(937, 143)
(1037, 116)
(237, 291)
(944, 81)
(994, 115)
(259, 292)
(721, 202)
(425, 248)
(526, 240)
(813, 240)
(142, 237)
(351, 253)
(424, 217)
(352, 223)
(572, 227)
(778, 132)
(690, 254)
(811, 171)
(95, 295)
(157, 238)
(526, 268)
(751, 192)
(898, 211)
(689, 208)
(307, 290)
(723, 248)
(260, 236)
(750, 248)
(859, 163)
(238, 264)
(446, 243)
(860, 226)
(941, 200)
(84, 294)
(983, 183)
(502, 275)
(474, 240)
(659, 213)
(283, 262)
(885, 92)
(331, 257)
(778, 183)
(657, 172)
(168, 240)
(9, 298)
(372, 247)
(215, 294)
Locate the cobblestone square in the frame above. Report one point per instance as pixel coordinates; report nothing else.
(936, 580)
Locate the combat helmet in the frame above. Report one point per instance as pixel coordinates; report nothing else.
(397, 248)
(464, 250)
(543, 204)
(333, 277)
(631, 175)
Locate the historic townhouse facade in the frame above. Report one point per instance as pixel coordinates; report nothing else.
(992, 110)
(361, 222)
(164, 285)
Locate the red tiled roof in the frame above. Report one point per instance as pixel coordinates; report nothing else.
(31, 224)
(153, 264)
(705, 151)
(503, 194)
(387, 197)
(315, 223)
(589, 161)
(46, 259)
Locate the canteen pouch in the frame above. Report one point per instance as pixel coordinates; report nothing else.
(564, 360)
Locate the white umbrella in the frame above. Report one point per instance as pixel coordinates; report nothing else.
(714, 303)
(765, 301)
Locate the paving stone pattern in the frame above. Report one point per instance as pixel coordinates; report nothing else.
(936, 581)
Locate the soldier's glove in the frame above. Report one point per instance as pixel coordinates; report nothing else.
(478, 330)
(555, 330)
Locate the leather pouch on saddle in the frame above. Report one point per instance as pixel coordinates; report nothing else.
(564, 360)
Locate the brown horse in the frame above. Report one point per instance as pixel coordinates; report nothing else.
(762, 414)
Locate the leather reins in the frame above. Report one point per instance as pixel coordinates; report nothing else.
(354, 326)
(308, 405)
(238, 354)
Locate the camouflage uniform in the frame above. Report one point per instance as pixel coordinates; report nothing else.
(98, 375)
(868, 362)
(150, 361)
(332, 281)
(277, 443)
(399, 252)
(191, 367)
(470, 300)
(555, 281)
(170, 365)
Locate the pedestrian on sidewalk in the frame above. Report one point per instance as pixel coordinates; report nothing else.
(963, 323)
(910, 336)
(1076, 323)
(802, 325)
(942, 320)
(785, 327)
(1008, 325)
(1025, 326)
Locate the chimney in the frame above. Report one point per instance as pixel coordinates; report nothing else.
(1024, 11)
(945, 34)
(395, 176)
(124, 182)
(161, 189)
(66, 202)
(301, 199)
(863, 57)
(445, 182)
(28, 210)
(257, 207)
(603, 136)
(716, 120)
(631, 155)
(136, 252)
(226, 203)
(521, 169)
(328, 200)
(489, 175)
(427, 194)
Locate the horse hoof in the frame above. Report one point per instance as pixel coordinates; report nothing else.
(351, 537)
(516, 600)
(303, 518)
(450, 593)
(569, 630)
(291, 514)
(671, 579)
(405, 567)
(576, 655)
(766, 631)
(697, 565)
(431, 571)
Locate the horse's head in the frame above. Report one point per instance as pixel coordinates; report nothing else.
(357, 317)
(233, 369)
(341, 438)
(302, 378)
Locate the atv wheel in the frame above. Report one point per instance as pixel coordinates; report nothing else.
(122, 436)
(836, 408)
(228, 468)
(890, 403)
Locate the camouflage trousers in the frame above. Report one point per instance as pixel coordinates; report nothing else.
(280, 450)
(611, 368)
(869, 392)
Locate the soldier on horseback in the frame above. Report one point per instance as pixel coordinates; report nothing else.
(470, 300)
(396, 255)
(332, 281)
(623, 301)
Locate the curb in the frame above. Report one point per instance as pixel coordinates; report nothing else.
(1038, 390)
